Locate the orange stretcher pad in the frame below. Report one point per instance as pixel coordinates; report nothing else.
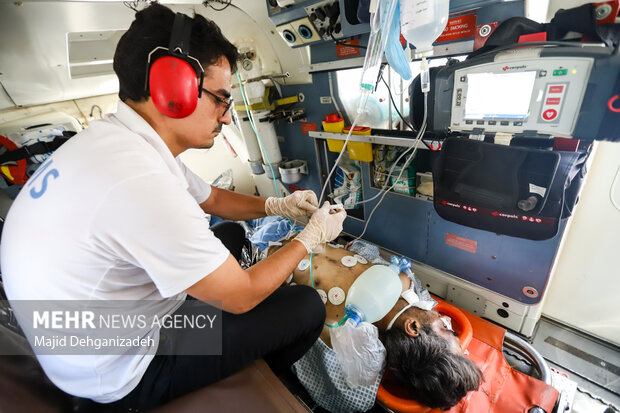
(504, 390)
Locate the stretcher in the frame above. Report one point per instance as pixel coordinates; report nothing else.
(504, 389)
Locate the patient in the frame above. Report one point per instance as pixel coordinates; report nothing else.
(423, 353)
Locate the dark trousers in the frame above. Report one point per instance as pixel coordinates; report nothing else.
(280, 330)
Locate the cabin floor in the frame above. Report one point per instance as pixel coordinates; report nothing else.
(594, 366)
(585, 370)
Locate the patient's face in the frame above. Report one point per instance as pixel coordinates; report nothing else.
(439, 326)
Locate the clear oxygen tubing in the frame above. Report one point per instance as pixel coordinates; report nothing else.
(418, 139)
(247, 110)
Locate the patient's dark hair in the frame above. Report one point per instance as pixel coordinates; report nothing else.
(151, 28)
(425, 366)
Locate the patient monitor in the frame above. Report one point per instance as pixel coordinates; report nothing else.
(546, 91)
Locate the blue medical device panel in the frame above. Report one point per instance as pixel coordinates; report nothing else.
(410, 226)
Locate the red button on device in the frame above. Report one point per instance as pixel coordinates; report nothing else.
(550, 114)
(556, 89)
(553, 101)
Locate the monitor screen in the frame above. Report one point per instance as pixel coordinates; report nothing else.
(499, 95)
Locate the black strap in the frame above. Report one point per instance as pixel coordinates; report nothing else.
(181, 35)
(35, 149)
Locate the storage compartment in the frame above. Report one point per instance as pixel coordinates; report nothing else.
(508, 190)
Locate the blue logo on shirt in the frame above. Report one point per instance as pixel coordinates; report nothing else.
(38, 192)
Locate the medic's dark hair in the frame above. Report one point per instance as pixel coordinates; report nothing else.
(151, 28)
(425, 366)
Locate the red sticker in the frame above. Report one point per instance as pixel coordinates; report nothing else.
(465, 244)
(461, 27)
(342, 50)
(533, 37)
(482, 34)
(307, 127)
(606, 12)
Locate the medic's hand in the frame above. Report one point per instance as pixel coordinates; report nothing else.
(297, 204)
(322, 227)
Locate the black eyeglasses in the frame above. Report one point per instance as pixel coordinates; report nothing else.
(226, 102)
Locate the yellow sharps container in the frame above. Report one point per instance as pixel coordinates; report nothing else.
(333, 124)
(360, 151)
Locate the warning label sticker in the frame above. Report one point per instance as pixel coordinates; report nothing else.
(461, 27)
(465, 244)
(307, 127)
(342, 50)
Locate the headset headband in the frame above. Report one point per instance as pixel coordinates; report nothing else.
(178, 47)
(181, 35)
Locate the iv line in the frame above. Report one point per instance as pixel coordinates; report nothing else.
(420, 134)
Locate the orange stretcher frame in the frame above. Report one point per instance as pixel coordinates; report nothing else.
(504, 390)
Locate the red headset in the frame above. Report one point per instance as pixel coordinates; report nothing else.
(174, 78)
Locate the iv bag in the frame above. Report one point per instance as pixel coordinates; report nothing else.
(422, 21)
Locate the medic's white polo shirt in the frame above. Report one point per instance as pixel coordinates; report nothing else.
(111, 215)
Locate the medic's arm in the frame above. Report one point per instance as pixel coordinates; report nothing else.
(241, 290)
(234, 206)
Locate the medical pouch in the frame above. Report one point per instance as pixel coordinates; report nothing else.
(516, 191)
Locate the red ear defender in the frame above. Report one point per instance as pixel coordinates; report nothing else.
(174, 87)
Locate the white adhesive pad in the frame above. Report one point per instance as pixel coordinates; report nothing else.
(361, 259)
(303, 264)
(336, 295)
(323, 295)
(348, 261)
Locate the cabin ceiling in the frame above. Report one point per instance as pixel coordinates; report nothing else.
(35, 67)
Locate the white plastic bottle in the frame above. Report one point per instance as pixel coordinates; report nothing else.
(422, 21)
(373, 294)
